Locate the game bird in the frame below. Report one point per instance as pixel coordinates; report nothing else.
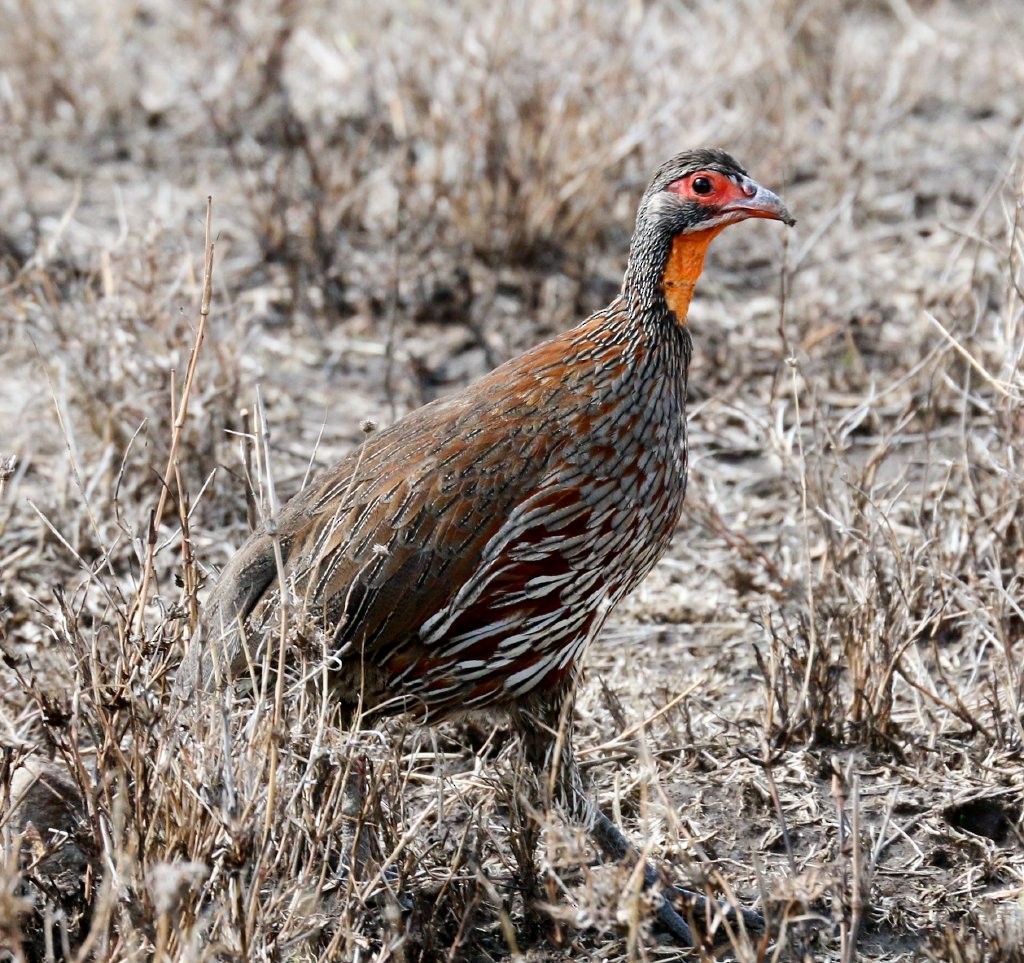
(462, 560)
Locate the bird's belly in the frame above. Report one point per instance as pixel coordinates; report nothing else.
(534, 659)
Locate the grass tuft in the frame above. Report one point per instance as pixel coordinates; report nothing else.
(815, 702)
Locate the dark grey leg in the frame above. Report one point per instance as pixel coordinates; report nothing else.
(356, 851)
(614, 845)
(545, 738)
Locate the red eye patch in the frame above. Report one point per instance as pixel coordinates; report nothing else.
(709, 187)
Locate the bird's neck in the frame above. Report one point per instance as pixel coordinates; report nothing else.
(683, 267)
(663, 272)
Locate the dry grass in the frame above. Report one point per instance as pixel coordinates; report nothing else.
(403, 197)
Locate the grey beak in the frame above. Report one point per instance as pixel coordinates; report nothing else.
(762, 203)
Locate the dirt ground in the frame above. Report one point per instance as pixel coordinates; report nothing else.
(815, 703)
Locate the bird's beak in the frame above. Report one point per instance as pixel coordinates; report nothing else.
(760, 202)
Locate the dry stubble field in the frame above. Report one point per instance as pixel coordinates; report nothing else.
(816, 702)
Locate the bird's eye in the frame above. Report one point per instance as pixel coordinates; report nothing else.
(702, 185)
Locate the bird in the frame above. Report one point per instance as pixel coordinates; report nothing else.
(462, 560)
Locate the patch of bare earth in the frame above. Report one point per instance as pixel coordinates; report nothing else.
(814, 704)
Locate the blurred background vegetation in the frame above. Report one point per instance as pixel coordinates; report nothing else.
(405, 194)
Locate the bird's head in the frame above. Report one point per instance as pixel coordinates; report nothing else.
(691, 198)
(703, 189)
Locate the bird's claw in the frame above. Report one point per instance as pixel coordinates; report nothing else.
(703, 907)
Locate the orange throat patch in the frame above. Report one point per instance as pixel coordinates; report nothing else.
(683, 268)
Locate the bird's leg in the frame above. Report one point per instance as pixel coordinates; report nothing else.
(548, 748)
(614, 845)
(547, 744)
(355, 833)
(360, 839)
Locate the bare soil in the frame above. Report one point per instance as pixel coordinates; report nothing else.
(815, 704)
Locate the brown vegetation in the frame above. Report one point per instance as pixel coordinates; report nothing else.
(817, 697)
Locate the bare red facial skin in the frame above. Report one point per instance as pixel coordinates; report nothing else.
(724, 190)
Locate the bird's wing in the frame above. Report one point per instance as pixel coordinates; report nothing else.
(385, 539)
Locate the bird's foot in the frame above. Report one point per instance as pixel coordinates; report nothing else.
(698, 908)
(673, 922)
